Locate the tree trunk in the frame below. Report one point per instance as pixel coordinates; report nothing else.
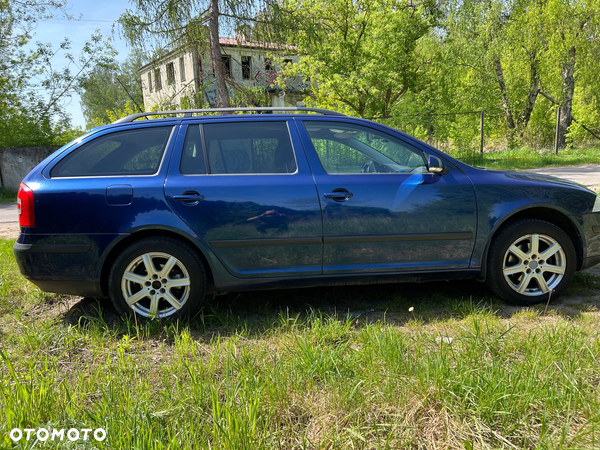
(510, 122)
(215, 56)
(534, 89)
(566, 106)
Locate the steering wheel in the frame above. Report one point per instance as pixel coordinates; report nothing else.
(368, 167)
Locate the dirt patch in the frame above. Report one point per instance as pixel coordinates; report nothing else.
(9, 230)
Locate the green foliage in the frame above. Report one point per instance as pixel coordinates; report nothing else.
(27, 117)
(109, 90)
(419, 64)
(361, 57)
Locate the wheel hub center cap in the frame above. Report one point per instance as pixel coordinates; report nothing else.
(156, 284)
(533, 265)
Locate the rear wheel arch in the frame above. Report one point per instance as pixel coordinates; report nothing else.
(553, 216)
(131, 239)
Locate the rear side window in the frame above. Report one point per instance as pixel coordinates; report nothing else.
(248, 148)
(128, 152)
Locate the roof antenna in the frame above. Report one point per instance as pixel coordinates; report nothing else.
(132, 99)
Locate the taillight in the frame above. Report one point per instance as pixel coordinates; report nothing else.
(25, 206)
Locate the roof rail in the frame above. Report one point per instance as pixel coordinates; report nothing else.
(190, 112)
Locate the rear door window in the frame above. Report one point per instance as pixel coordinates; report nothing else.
(128, 152)
(245, 148)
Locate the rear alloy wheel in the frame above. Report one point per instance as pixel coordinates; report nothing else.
(530, 260)
(157, 278)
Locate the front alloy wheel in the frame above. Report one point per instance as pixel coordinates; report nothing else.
(534, 264)
(157, 278)
(529, 261)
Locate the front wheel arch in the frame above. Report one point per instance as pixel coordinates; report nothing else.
(550, 215)
(530, 261)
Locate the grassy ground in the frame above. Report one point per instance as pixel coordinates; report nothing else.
(526, 158)
(306, 369)
(8, 196)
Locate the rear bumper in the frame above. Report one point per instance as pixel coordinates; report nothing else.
(61, 268)
(68, 287)
(589, 262)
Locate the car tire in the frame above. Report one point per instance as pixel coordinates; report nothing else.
(157, 278)
(530, 260)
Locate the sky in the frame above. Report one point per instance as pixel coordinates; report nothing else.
(99, 14)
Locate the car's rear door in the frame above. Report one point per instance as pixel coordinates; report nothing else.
(245, 187)
(382, 210)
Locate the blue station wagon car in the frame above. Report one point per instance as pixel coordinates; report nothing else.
(156, 213)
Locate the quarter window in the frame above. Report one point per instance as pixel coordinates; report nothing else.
(248, 148)
(130, 152)
(345, 148)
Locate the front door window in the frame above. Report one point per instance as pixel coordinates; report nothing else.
(350, 149)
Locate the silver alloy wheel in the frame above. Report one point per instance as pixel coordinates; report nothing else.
(534, 264)
(155, 285)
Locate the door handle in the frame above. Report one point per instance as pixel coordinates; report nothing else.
(339, 195)
(189, 198)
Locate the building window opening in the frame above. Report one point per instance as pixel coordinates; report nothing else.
(170, 74)
(157, 81)
(246, 67)
(181, 69)
(226, 61)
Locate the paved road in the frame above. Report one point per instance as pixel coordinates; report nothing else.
(8, 212)
(588, 175)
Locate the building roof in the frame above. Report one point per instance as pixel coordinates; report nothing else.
(225, 42)
(233, 42)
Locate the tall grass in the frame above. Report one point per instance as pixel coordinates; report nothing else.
(7, 196)
(527, 158)
(265, 370)
(320, 383)
(14, 289)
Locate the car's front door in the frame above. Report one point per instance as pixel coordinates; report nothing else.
(245, 187)
(382, 210)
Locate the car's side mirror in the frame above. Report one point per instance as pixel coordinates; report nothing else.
(435, 165)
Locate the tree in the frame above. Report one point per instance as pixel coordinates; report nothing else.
(529, 49)
(108, 88)
(571, 30)
(160, 26)
(361, 55)
(28, 116)
(495, 55)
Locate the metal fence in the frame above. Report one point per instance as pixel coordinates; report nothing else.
(472, 148)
